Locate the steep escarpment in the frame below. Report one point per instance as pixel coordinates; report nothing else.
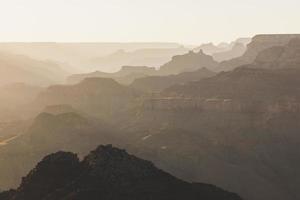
(280, 57)
(243, 124)
(243, 83)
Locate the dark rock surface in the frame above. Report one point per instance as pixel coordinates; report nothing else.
(107, 173)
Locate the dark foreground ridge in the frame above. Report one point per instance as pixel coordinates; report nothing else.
(107, 173)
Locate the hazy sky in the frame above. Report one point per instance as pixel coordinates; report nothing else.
(184, 21)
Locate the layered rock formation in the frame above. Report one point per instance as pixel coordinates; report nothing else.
(258, 44)
(244, 83)
(277, 57)
(107, 173)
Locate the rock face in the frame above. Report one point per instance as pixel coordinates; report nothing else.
(287, 56)
(246, 120)
(159, 83)
(107, 173)
(188, 62)
(258, 44)
(244, 83)
(125, 76)
(53, 172)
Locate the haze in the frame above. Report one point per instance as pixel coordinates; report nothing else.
(183, 21)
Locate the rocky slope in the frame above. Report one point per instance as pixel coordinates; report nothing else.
(107, 173)
(243, 124)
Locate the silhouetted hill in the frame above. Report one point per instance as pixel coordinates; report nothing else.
(258, 44)
(188, 62)
(125, 76)
(159, 83)
(108, 173)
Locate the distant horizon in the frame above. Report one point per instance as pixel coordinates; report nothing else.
(180, 21)
(142, 42)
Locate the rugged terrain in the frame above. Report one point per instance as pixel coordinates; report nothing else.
(107, 173)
